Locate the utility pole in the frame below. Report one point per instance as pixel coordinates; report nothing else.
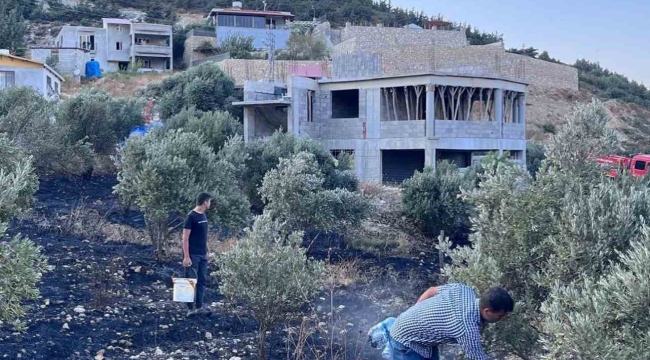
(270, 45)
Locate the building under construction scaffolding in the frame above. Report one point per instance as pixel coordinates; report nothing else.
(398, 124)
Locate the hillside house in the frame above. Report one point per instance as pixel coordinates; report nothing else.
(117, 45)
(258, 24)
(18, 71)
(395, 125)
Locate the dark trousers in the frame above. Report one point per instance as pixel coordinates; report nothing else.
(199, 271)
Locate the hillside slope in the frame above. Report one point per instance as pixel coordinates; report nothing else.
(546, 111)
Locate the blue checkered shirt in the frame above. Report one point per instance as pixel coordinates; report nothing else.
(452, 316)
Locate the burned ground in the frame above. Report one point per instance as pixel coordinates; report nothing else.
(111, 300)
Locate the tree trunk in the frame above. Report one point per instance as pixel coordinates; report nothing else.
(470, 99)
(393, 92)
(418, 111)
(442, 102)
(408, 103)
(262, 342)
(385, 92)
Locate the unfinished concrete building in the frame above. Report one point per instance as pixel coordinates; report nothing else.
(395, 125)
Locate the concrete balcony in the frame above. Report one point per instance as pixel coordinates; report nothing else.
(152, 50)
(152, 29)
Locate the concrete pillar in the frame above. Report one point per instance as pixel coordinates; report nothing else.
(522, 109)
(498, 114)
(249, 124)
(430, 112)
(430, 157)
(372, 113)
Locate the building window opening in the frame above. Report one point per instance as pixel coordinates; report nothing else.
(87, 42)
(464, 103)
(310, 105)
(345, 104)
(118, 46)
(511, 107)
(403, 103)
(7, 79)
(399, 165)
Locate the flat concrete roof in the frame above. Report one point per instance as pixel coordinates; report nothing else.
(262, 103)
(401, 76)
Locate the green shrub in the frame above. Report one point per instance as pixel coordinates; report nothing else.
(295, 196)
(163, 172)
(102, 120)
(562, 230)
(535, 154)
(21, 263)
(26, 118)
(204, 87)
(432, 200)
(240, 47)
(215, 127)
(264, 155)
(270, 275)
(604, 318)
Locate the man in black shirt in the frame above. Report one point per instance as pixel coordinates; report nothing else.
(195, 251)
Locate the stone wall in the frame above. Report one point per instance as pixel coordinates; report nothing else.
(543, 74)
(241, 70)
(486, 60)
(388, 36)
(193, 42)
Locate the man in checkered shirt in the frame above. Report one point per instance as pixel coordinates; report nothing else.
(445, 315)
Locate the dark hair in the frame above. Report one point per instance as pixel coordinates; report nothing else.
(202, 198)
(497, 299)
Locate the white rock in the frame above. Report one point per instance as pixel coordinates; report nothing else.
(79, 309)
(208, 335)
(235, 358)
(66, 326)
(158, 351)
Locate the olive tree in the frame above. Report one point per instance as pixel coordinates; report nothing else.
(27, 119)
(603, 318)
(264, 156)
(164, 171)
(432, 200)
(270, 274)
(216, 127)
(102, 120)
(295, 196)
(561, 230)
(21, 262)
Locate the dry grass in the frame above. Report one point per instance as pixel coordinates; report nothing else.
(217, 246)
(386, 232)
(344, 273)
(82, 222)
(124, 234)
(121, 85)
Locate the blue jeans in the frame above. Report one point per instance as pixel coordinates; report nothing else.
(199, 271)
(401, 352)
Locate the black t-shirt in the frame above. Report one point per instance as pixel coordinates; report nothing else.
(198, 225)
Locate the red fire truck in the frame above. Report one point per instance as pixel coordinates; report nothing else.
(637, 165)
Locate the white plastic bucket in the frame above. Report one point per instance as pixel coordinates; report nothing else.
(184, 290)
